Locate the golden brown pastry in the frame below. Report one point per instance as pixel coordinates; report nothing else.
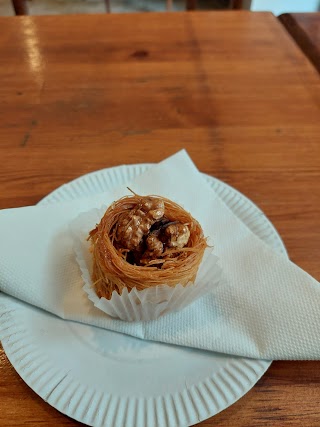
(144, 241)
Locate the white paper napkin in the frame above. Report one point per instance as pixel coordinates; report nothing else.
(267, 307)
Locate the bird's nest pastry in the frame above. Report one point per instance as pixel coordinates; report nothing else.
(142, 242)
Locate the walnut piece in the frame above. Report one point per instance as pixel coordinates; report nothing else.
(154, 244)
(136, 223)
(177, 235)
(172, 235)
(147, 233)
(153, 207)
(154, 249)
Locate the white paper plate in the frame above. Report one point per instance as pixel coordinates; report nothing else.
(103, 378)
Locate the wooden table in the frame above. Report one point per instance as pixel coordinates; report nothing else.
(80, 93)
(305, 29)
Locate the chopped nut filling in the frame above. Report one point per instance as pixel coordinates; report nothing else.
(146, 233)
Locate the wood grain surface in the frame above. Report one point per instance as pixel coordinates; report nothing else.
(305, 29)
(80, 93)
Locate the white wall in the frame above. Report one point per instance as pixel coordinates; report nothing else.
(283, 6)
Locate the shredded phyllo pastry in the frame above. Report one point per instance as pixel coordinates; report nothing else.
(142, 242)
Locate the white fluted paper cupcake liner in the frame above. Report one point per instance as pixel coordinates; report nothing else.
(150, 303)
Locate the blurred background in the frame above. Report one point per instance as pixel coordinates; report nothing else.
(49, 7)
